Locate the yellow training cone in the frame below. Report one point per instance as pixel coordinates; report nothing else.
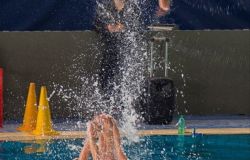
(44, 123)
(30, 115)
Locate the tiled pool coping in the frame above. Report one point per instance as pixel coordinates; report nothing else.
(203, 124)
(21, 136)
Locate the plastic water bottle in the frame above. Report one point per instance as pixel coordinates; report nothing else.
(181, 126)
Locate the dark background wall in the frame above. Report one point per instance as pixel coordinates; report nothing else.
(216, 68)
(30, 15)
(215, 65)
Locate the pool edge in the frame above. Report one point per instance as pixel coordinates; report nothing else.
(22, 136)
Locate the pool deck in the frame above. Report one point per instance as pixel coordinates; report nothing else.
(204, 124)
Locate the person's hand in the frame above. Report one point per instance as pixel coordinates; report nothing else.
(85, 151)
(92, 130)
(105, 121)
(164, 8)
(105, 124)
(107, 128)
(117, 142)
(118, 27)
(106, 142)
(164, 5)
(93, 136)
(160, 12)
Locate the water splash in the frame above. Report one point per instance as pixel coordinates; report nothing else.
(86, 96)
(128, 84)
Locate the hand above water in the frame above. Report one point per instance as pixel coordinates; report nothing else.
(103, 140)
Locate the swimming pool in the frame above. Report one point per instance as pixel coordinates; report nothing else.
(206, 147)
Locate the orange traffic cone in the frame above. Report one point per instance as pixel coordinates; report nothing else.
(30, 115)
(44, 123)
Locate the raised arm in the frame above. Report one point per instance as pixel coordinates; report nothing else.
(92, 135)
(117, 142)
(85, 151)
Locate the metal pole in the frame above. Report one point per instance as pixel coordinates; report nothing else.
(166, 59)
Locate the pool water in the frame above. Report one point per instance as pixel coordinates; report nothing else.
(206, 147)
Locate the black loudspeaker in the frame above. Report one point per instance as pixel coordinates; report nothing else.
(159, 100)
(158, 104)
